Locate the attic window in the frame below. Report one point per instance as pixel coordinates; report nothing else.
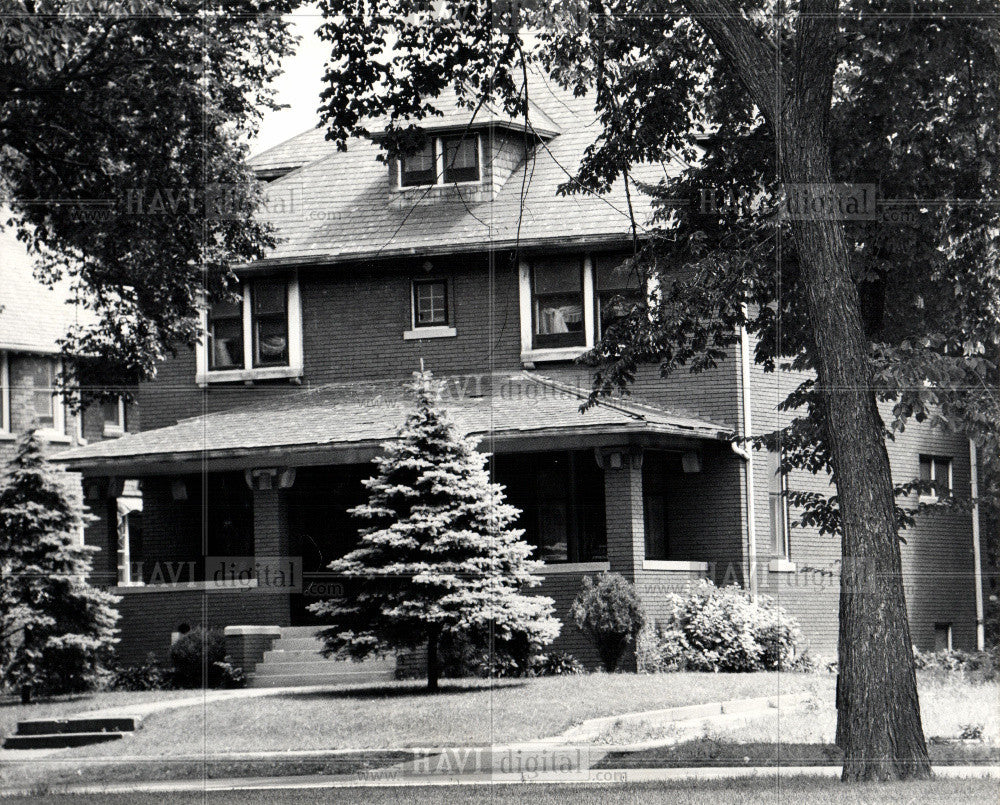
(442, 161)
(419, 169)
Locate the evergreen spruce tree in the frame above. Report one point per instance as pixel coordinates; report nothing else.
(56, 630)
(438, 557)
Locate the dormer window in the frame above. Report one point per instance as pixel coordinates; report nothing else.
(420, 168)
(442, 161)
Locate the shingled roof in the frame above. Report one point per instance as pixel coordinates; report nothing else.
(345, 415)
(338, 206)
(33, 316)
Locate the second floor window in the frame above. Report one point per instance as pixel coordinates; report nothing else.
(225, 335)
(430, 303)
(935, 470)
(557, 303)
(43, 376)
(618, 290)
(113, 415)
(777, 494)
(269, 306)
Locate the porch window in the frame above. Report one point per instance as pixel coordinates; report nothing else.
(461, 159)
(619, 289)
(269, 316)
(561, 498)
(225, 335)
(419, 168)
(655, 480)
(558, 303)
(430, 303)
(937, 471)
(777, 505)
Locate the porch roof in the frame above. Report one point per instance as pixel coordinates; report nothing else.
(346, 417)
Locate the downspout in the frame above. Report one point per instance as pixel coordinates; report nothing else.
(743, 449)
(977, 562)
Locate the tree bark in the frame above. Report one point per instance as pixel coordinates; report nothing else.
(878, 715)
(433, 665)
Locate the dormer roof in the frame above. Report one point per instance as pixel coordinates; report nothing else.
(340, 207)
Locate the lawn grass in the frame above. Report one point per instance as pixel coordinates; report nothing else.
(759, 791)
(403, 714)
(947, 706)
(12, 711)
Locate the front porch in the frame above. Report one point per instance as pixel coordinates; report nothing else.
(239, 540)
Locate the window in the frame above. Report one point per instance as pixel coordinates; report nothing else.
(461, 159)
(942, 637)
(113, 417)
(419, 168)
(269, 322)
(430, 303)
(935, 470)
(4, 393)
(441, 161)
(777, 493)
(258, 337)
(561, 498)
(225, 335)
(618, 290)
(43, 401)
(558, 303)
(656, 470)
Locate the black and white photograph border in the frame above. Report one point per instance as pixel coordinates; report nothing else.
(499, 401)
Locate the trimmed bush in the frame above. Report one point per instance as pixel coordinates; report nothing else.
(721, 629)
(556, 663)
(149, 675)
(610, 612)
(198, 659)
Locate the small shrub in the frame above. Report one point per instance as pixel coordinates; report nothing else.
(972, 666)
(197, 657)
(149, 675)
(713, 629)
(971, 732)
(230, 676)
(610, 612)
(464, 655)
(556, 663)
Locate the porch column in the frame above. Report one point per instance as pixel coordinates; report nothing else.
(623, 510)
(270, 532)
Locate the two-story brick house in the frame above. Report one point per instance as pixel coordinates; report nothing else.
(465, 257)
(33, 317)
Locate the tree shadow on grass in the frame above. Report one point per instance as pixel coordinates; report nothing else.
(398, 691)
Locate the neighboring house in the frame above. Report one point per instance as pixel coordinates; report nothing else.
(33, 317)
(465, 259)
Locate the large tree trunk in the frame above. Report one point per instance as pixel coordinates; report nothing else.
(790, 77)
(433, 664)
(878, 715)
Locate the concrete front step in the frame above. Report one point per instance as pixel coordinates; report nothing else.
(83, 724)
(297, 644)
(60, 740)
(300, 631)
(321, 666)
(267, 680)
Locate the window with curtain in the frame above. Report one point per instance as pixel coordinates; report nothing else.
(269, 322)
(557, 301)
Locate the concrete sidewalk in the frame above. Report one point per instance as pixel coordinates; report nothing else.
(378, 780)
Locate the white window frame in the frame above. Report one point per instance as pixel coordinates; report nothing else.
(933, 498)
(416, 333)
(530, 355)
(57, 433)
(5, 431)
(439, 181)
(113, 431)
(248, 374)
